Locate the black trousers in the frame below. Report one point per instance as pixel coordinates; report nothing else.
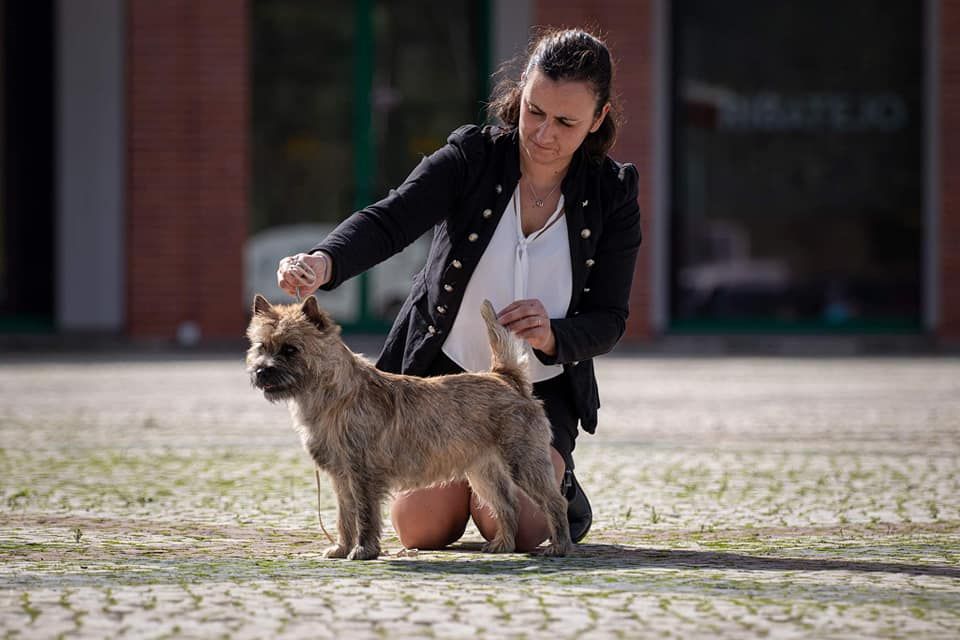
(557, 397)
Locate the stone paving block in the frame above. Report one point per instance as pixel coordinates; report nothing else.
(734, 497)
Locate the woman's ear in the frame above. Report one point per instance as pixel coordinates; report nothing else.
(599, 120)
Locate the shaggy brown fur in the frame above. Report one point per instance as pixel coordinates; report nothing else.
(374, 432)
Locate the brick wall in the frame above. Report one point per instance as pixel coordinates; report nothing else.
(949, 237)
(187, 82)
(187, 164)
(627, 27)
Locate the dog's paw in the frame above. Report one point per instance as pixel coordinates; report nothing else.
(336, 551)
(499, 546)
(360, 552)
(557, 550)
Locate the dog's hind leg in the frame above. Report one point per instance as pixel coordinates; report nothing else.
(536, 477)
(491, 482)
(346, 519)
(369, 495)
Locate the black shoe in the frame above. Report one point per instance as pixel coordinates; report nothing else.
(579, 512)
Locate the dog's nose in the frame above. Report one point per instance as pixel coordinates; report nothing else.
(263, 374)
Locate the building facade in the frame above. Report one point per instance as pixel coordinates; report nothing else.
(798, 161)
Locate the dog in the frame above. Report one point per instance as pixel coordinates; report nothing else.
(375, 432)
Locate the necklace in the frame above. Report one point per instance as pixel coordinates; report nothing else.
(537, 200)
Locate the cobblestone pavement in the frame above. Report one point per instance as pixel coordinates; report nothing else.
(734, 497)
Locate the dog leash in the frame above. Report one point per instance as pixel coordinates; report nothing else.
(316, 473)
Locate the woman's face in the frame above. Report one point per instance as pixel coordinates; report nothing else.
(555, 118)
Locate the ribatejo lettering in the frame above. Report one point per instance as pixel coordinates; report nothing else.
(814, 112)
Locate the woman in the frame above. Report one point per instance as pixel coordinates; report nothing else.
(532, 215)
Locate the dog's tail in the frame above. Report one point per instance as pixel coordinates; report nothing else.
(509, 353)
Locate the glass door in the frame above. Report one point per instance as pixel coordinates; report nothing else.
(346, 99)
(797, 165)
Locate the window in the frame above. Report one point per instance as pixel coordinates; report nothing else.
(346, 99)
(797, 165)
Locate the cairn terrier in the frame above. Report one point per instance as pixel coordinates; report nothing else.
(374, 432)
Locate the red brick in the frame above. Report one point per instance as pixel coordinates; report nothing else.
(948, 327)
(188, 166)
(628, 29)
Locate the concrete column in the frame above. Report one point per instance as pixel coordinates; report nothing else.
(511, 30)
(90, 165)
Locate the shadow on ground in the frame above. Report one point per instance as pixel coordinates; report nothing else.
(603, 563)
(606, 557)
(149, 551)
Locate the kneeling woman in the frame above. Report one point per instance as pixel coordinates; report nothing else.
(532, 215)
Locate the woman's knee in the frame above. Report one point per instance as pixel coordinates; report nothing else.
(431, 518)
(559, 464)
(531, 524)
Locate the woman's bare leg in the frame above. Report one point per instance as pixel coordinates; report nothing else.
(433, 517)
(533, 528)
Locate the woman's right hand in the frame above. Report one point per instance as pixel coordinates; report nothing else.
(302, 274)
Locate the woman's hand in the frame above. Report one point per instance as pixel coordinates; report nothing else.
(302, 274)
(528, 320)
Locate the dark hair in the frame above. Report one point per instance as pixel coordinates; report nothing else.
(570, 55)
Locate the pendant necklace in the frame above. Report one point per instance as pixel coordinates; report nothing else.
(537, 200)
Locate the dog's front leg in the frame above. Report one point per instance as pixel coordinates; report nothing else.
(346, 519)
(369, 495)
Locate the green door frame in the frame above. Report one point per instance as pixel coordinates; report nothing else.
(363, 144)
(365, 149)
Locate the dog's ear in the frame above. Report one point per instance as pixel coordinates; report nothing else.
(261, 306)
(320, 318)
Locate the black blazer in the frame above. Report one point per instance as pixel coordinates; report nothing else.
(461, 191)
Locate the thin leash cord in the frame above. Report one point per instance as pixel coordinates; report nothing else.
(316, 472)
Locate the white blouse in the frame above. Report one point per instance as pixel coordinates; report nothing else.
(514, 267)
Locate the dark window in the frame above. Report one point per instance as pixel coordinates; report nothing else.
(429, 78)
(797, 164)
(27, 246)
(303, 56)
(347, 97)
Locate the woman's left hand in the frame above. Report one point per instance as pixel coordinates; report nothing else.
(528, 320)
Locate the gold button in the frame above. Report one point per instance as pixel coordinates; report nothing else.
(589, 262)
(456, 264)
(441, 308)
(585, 203)
(472, 237)
(447, 287)
(585, 234)
(487, 213)
(586, 289)
(499, 189)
